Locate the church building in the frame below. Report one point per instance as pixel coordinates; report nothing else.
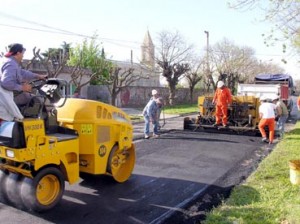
(146, 66)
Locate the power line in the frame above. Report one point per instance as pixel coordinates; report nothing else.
(35, 23)
(111, 41)
(62, 31)
(40, 30)
(56, 30)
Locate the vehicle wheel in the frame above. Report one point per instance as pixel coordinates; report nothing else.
(121, 163)
(3, 194)
(44, 191)
(12, 186)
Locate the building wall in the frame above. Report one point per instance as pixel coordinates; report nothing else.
(38, 68)
(84, 89)
(138, 96)
(142, 71)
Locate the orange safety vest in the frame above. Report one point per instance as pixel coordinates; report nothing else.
(222, 96)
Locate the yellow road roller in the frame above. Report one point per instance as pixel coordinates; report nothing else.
(58, 139)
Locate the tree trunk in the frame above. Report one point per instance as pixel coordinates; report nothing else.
(172, 90)
(113, 99)
(191, 93)
(207, 87)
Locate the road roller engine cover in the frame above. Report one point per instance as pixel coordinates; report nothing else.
(58, 139)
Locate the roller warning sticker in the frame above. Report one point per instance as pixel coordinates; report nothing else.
(86, 129)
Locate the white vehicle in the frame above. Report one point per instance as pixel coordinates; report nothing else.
(268, 85)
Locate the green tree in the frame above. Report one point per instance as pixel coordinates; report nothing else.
(88, 58)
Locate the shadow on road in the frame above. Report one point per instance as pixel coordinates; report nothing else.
(142, 199)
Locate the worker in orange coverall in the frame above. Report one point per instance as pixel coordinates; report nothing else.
(222, 99)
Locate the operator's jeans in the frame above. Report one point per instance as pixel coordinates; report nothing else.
(281, 122)
(22, 98)
(147, 126)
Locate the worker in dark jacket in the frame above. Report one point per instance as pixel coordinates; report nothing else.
(150, 116)
(282, 114)
(156, 95)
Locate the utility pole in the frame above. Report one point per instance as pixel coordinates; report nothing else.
(207, 57)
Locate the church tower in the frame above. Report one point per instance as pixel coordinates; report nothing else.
(147, 50)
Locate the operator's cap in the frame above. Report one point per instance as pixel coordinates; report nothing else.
(14, 49)
(154, 92)
(220, 84)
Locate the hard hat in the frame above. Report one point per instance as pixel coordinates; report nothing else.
(154, 92)
(262, 98)
(275, 97)
(220, 84)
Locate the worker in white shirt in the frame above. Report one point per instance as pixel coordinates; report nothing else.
(267, 118)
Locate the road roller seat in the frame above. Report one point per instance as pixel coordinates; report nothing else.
(12, 134)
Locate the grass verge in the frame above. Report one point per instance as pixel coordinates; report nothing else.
(181, 109)
(267, 196)
(177, 109)
(136, 118)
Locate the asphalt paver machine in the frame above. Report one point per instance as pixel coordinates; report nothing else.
(243, 116)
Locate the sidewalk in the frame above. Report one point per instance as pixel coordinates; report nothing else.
(168, 122)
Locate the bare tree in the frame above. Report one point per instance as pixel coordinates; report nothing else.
(172, 58)
(54, 60)
(229, 60)
(235, 64)
(266, 67)
(195, 75)
(119, 79)
(77, 75)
